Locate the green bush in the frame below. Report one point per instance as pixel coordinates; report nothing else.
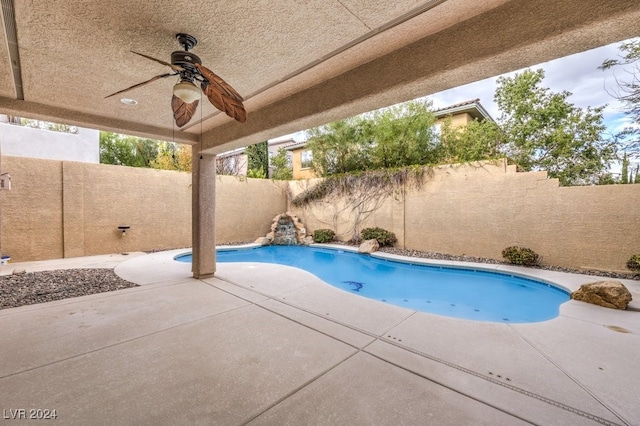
(384, 237)
(323, 235)
(521, 256)
(634, 262)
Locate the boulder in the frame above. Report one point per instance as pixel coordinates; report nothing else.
(610, 294)
(369, 246)
(308, 240)
(263, 241)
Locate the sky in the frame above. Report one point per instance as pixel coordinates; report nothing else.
(578, 74)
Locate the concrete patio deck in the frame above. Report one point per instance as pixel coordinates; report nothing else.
(267, 344)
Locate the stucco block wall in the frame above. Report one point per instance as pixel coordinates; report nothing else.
(154, 203)
(478, 210)
(32, 232)
(246, 207)
(67, 209)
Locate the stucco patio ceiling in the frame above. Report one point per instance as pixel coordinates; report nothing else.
(297, 63)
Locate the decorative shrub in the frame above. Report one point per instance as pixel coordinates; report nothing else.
(384, 237)
(634, 262)
(323, 235)
(521, 256)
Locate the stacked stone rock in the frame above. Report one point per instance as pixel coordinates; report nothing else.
(301, 231)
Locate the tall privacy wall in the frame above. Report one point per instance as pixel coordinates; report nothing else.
(478, 210)
(61, 209)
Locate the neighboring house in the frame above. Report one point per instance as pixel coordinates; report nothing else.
(48, 141)
(460, 114)
(275, 146)
(302, 161)
(232, 163)
(236, 162)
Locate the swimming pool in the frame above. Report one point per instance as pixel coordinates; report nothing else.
(462, 293)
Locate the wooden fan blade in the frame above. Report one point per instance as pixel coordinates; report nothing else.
(221, 85)
(160, 61)
(233, 108)
(157, 77)
(222, 95)
(182, 111)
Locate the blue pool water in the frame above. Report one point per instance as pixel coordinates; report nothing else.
(462, 293)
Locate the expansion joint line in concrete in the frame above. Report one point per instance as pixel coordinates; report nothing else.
(299, 388)
(121, 342)
(357, 350)
(569, 376)
(395, 343)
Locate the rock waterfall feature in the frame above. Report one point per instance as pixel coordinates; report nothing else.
(286, 229)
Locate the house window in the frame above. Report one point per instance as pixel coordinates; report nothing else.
(306, 159)
(437, 129)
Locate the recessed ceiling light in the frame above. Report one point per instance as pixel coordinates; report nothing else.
(128, 101)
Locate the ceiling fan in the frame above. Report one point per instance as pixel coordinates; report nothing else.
(186, 93)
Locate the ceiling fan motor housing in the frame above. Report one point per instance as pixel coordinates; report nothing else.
(185, 59)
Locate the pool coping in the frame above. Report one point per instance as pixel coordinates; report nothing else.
(565, 281)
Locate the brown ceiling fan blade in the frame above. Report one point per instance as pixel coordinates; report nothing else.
(232, 107)
(220, 85)
(182, 111)
(157, 77)
(160, 61)
(222, 95)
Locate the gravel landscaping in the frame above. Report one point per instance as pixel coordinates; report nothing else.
(38, 287)
(440, 256)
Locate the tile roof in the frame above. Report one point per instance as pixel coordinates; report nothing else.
(459, 104)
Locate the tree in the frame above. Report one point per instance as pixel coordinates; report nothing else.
(629, 88)
(258, 160)
(476, 141)
(398, 136)
(628, 92)
(402, 135)
(339, 147)
(127, 150)
(172, 156)
(39, 124)
(230, 164)
(282, 168)
(546, 132)
(624, 174)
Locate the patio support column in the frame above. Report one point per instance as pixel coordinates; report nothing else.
(203, 203)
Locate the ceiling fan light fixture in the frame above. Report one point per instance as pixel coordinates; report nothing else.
(187, 91)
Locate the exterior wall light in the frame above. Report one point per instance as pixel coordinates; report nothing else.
(5, 181)
(123, 229)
